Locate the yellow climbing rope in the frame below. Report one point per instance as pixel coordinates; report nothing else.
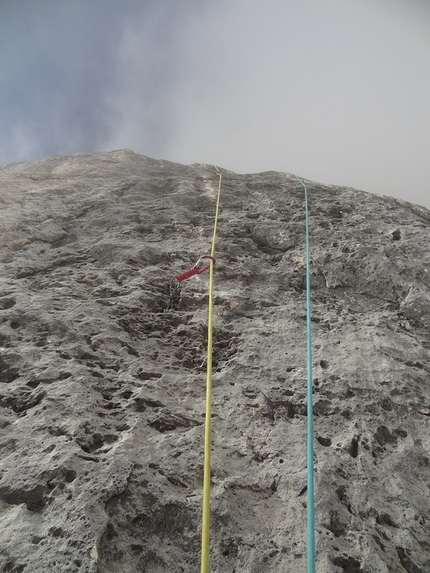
(207, 449)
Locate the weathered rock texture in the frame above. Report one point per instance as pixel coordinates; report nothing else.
(103, 393)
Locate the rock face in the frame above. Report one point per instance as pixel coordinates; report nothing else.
(102, 392)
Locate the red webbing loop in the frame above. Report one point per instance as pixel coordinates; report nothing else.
(197, 268)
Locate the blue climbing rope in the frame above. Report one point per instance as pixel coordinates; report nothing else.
(310, 452)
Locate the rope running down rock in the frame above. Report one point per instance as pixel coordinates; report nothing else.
(207, 448)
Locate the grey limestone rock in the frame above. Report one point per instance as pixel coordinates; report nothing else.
(102, 391)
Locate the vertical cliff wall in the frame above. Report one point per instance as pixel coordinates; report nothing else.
(102, 392)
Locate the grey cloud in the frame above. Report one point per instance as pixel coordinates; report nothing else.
(57, 64)
(333, 91)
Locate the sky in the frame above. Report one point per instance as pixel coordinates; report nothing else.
(336, 91)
